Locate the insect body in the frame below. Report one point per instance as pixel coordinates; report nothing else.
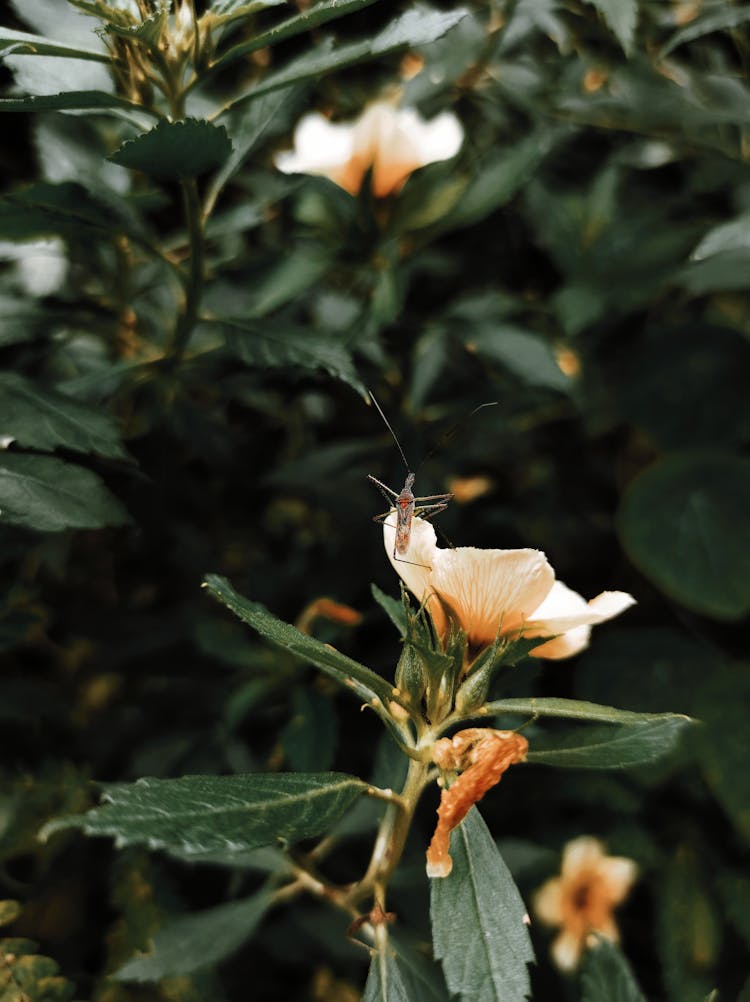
(407, 506)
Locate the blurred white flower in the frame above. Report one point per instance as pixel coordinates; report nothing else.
(392, 142)
(41, 265)
(510, 591)
(581, 900)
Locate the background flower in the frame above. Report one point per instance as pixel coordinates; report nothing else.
(581, 900)
(393, 142)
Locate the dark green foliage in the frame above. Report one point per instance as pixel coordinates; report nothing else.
(187, 340)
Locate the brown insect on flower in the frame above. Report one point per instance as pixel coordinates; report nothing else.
(481, 755)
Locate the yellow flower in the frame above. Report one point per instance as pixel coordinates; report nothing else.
(581, 900)
(392, 142)
(513, 591)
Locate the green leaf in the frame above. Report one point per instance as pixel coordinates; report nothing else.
(478, 927)
(621, 17)
(617, 747)
(575, 709)
(68, 208)
(365, 684)
(500, 176)
(193, 942)
(685, 522)
(224, 11)
(42, 419)
(248, 125)
(39, 492)
(524, 353)
(689, 925)
(75, 100)
(392, 608)
(731, 236)
(386, 982)
(306, 20)
(709, 21)
(606, 975)
(417, 26)
(24, 43)
(175, 150)
(309, 739)
(278, 346)
(200, 814)
(401, 974)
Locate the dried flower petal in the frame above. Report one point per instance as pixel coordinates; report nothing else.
(481, 755)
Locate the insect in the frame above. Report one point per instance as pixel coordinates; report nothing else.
(406, 504)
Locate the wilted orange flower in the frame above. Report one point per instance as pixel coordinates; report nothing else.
(392, 142)
(510, 591)
(482, 755)
(581, 900)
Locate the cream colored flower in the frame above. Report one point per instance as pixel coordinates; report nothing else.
(581, 900)
(393, 142)
(510, 591)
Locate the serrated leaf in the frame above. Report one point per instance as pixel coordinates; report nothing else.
(685, 523)
(224, 11)
(365, 684)
(39, 492)
(248, 126)
(401, 974)
(195, 815)
(193, 942)
(606, 975)
(621, 16)
(611, 747)
(25, 43)
(417, 26)
(709, 21)
(574, 709)
(279, 346)
(306, 20)
(42, 419)
(176, 150)
(479, 932)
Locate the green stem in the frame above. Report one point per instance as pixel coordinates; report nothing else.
(194, 281)
(392, 834)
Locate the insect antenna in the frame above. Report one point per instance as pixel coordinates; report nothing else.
(393, 433)
(447, 437)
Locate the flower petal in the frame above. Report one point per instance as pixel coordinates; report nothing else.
(619, 874)
(547, 902)
(567, 950)
(564, 610)
(320, 147)
(582, 853)
(490, 590)
(438, 139)
(564, 646)
(416, 567)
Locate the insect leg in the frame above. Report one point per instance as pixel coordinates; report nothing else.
(434, 497)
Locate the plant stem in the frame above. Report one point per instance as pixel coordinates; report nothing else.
(392, 834)
(194, 284)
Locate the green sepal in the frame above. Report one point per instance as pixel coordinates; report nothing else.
(473, 691)
(411, 674)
